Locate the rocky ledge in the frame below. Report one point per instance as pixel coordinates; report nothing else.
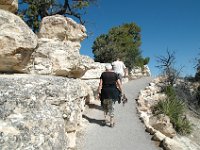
(160, 126)
(38, 111)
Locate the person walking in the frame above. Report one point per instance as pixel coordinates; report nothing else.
(119, 68)
(108, 92)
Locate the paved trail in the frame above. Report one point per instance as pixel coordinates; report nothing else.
(128, 133)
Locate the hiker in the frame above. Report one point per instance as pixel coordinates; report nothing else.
(119, 68)
(109, 90)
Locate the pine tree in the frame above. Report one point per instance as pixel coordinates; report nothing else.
(121, 42)
(32, 11)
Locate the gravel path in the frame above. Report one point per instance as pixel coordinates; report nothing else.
(128, 133)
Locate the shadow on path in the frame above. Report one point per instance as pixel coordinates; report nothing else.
(95, 121)
(94, 106)
(128, 134)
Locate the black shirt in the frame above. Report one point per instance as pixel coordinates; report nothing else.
(109, 89)
(109, 78)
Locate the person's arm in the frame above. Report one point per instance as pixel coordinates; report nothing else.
(119, 85)
(125, 70)
(124, 65)
(100, 87)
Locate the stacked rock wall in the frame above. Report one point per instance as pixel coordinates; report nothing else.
(159, 126)
(38, 109)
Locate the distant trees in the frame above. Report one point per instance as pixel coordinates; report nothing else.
(122, 42)
(197, 78)
(197, 75)
(32, 11)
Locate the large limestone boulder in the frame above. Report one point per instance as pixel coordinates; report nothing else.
(138, 72)
(62, 28)
(162, 123)
(9, 5)
(58, 58)
(40, 112)
(95, 72)
(170, 144)
(17, 42)
(58, 49)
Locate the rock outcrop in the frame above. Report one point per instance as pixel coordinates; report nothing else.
(37, 111)
(17, 42)
(159, 126)
(62, 28)
(162, 123)
(58, 48)
(138, 72)
(40, 111)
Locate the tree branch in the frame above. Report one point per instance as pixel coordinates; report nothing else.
(66, 9)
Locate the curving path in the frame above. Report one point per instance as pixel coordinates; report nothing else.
(128, 133)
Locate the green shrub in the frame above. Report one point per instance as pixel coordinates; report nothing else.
(146, 61)
(197, 76)
(183, 126)
(170, 92)
(198, 95)
(174, 108)
(171, 107)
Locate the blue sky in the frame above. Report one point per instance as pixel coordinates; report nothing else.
(165, 24)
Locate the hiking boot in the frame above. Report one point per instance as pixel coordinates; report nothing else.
(112, 125)
(119, 98)
(103, 122)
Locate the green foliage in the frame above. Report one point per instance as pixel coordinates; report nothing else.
(170, 92)
(189, 78)
(170, 107)
(197, 66)
(32, 11)
(146, 60)
(174, 108)
(121, 42)
(198, 95)
(81, 4)
(197, 75)
(183, 126)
